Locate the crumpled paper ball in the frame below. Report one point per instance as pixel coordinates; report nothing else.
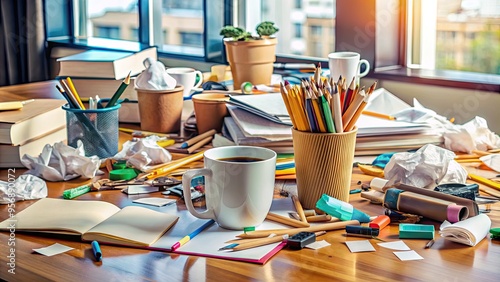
(473, 135)
(62, 163)
(426, 168)
(154, 77)
(24, 187)
(143, 152)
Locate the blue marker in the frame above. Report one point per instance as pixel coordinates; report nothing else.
(97, 251)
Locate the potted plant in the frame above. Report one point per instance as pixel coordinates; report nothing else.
(251, 57)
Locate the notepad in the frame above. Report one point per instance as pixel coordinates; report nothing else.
(93, 220)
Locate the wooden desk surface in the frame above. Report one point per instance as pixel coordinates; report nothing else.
(445, 261)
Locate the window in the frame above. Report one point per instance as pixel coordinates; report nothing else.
(112, 32)
(183, 22)
(293, 18)
(191, 39)
(459, 35)
(108, 19)
(455, 35)
(298, 30)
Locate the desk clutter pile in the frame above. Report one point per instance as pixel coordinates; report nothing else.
(160, 221)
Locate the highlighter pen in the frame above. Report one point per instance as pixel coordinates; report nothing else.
(96, 250)
(340, 209)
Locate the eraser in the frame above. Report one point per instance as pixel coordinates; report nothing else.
(380, 222)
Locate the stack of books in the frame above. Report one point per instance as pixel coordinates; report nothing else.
(98, 72)
(262, 120)
(29, 129)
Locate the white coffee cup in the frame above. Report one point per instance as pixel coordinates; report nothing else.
(187, 78)
(239, 185)
(347, 64)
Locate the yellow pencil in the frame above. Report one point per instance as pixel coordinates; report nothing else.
(75, 93)
(284, 95)
(379, 115)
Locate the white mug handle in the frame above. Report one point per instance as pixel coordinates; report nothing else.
(200, 81)
(367, 67)
(186, 188)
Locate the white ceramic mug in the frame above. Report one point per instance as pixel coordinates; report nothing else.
(187, 78)
(239, 185)
(347, 64)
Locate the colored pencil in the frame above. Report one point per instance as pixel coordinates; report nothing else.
(292, 231)
(378, 115)
(191, 235)
(75, 93)
(119, 91)
(196, 139)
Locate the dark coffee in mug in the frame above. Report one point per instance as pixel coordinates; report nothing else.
(241, 159)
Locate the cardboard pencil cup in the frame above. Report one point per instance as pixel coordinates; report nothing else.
(160, 110)
(323, 165)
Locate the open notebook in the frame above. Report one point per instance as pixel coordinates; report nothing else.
(141, 227)
(94, 220)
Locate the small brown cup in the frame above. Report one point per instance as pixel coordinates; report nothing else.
(160, 110)
(210, 110)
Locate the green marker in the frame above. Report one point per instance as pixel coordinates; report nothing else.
(75, 192)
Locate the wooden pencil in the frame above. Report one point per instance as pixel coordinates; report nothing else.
(199, 144)
(286, 220)
(299, 209)
(75, 93)
(198, 138)
(292, 231)
(256, 243)
(378, 115)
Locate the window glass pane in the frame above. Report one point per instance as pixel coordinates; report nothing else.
(307, 27)
(463, 35)
(116, 19)
(182, 23)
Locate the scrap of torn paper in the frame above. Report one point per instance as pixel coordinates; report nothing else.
(396, 245)
(318, 245)
(360, 246)
(408, 255)
(54, 249)
(155, 201)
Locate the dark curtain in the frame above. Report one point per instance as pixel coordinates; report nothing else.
(22, 42)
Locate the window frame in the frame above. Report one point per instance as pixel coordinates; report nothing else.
(389, 63)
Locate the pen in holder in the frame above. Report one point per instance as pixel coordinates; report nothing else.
(96, 128)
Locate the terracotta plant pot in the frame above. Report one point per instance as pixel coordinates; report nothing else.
(251, 61)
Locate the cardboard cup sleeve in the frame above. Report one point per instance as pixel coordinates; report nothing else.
(323, 165)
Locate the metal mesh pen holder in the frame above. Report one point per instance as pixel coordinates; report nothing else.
(97, 129)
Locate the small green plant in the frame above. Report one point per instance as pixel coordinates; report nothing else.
(263, 29)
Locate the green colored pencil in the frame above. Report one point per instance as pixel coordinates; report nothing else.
(119, 91)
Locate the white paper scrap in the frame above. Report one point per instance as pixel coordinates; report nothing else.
(396, 245)
(155, 201)
(318, 245)
(408, 255)
(360, 246)
(54, 249)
